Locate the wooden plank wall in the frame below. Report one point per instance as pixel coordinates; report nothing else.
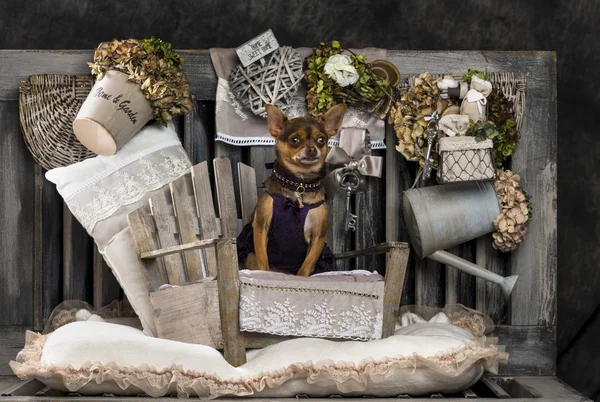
(44, 261)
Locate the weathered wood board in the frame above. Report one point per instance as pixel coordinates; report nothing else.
(17, 222)
(488, 389)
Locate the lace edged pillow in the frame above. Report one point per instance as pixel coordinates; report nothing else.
(97, 189)
(93, 358)
(100, 192)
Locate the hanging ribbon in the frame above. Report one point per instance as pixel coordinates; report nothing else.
(354, 153)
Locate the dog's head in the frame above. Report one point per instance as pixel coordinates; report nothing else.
(301, 143)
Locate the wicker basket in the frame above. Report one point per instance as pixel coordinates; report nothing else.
(48, 105)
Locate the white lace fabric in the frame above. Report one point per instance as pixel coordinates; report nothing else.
(100, 196)
(225, 96)
(337, 310)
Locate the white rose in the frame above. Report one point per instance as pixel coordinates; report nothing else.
(339, 68)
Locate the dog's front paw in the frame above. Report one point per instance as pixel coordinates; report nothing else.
(304, 271)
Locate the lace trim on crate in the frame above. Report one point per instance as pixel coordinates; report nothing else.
(267, 141)
(104, 174)
(357, 322)
(128, 185)
(311, 290)
(347, 376)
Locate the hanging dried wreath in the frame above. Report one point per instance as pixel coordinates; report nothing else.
(337, 75)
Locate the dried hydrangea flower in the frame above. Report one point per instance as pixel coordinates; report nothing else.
(153, 65)
(513, 221)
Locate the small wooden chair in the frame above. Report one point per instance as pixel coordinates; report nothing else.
(168, 234)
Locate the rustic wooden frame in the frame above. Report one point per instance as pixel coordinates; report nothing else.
(526, 323)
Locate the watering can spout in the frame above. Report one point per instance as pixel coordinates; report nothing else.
(508, 284)
(447, 258)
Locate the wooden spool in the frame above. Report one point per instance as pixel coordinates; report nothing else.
(264, 82)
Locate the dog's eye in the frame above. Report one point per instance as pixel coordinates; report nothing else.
(321, 140)
(295, 141)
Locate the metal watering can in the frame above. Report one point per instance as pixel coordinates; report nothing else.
(441, 217)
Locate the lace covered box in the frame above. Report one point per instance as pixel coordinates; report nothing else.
(344, 305)
(465, 159)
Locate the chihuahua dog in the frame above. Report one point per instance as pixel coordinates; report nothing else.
(290, 222)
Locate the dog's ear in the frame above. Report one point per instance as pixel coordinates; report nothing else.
(333, 119)
(275, 120)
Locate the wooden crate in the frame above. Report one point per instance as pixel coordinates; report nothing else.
(47, 250)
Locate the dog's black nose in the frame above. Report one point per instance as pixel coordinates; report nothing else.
(311, 152)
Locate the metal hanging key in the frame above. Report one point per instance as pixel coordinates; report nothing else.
(350, 182)
(432, 134)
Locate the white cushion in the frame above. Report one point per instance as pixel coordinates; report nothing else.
(121, 257)
(101, 191)
(97, 357)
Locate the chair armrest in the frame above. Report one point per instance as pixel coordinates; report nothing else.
(378, 249)
(161, 252)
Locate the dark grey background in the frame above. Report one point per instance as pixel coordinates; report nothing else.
(568, 27)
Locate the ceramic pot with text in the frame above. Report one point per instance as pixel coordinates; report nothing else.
(115, 110)
(137, 80)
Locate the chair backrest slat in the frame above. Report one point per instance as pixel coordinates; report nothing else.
(248, 193)
(153, 270)
(226, 197)
(162, 212)
(209, 227)
(181, 190)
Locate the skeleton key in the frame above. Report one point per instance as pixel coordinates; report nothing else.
(351, 218)
(350, 182)
(432, 134)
